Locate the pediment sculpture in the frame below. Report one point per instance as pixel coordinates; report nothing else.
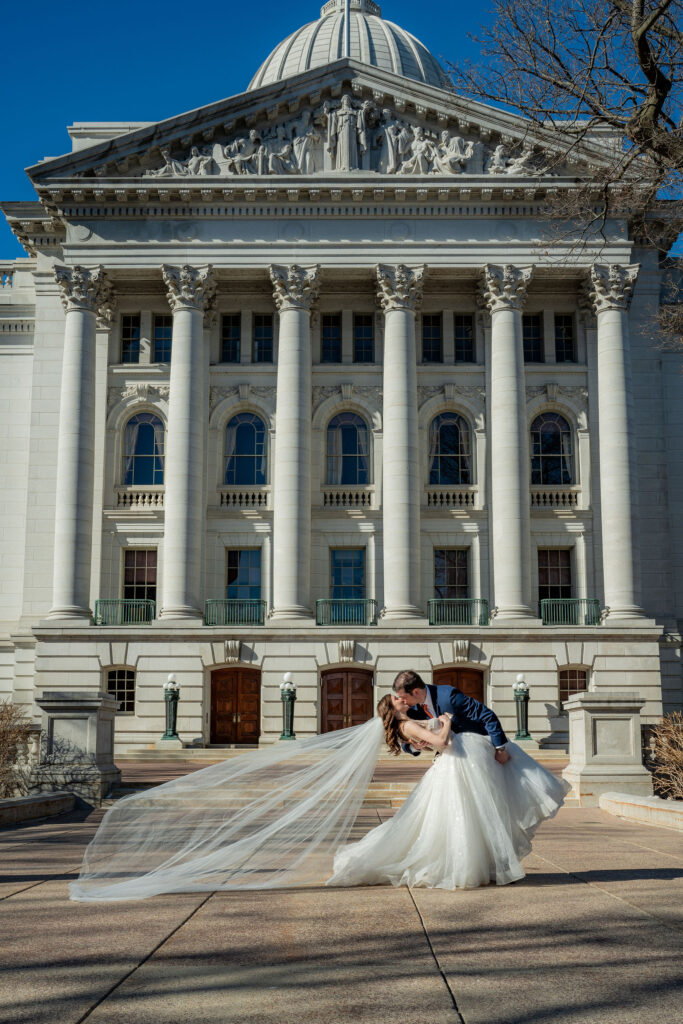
(344, 135)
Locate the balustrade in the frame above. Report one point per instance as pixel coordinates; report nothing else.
(555, 497)
(346, 612)
(348, 497)
(444, 497)
(245, 497)
(139, 497)
(7, 272)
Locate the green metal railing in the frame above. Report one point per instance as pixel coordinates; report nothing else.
(346, 612)
(231, 612)
(458, 611)
(570, 611)
(124, 612)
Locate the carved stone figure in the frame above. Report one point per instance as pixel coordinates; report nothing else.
(243, 155)
(525, 163)
(497, 162)
(421, 155)
(395, 142)
(342, 135)
(451, 154)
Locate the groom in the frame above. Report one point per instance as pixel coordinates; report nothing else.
(422, 702)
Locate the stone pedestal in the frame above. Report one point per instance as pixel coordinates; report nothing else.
(78, 753)
(605, 750)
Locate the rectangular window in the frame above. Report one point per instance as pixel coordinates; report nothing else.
(121, 685)
(554, 573)
(263, 338)
(363, 338)
(347, 574)
(532, 333)
(450, 573)
(140, 574)
(243, 574)
(130, 338)
(572, 680)
(432, 338)
(162, 337)
(331, 338)
(565, 345)
(464, 338)
(231, 333)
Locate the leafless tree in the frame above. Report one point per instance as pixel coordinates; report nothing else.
(595, 76)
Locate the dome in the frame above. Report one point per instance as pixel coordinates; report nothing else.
(372, 40)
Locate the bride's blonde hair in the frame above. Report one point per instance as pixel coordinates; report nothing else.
(391, 723)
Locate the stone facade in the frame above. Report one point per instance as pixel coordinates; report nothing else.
(345, 191)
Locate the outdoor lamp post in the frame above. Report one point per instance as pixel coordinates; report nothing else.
(520, 688)
(171, 695)
(287, 696)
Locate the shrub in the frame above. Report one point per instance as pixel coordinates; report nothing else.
(667, 756)
(14, 734)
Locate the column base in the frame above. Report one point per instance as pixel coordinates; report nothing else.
(629, 611)
(515, 611)
(408, 611)
(70, 613)
(182, 612)
(295, 611)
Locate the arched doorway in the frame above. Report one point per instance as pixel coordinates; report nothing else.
(469, 680)
(346, 698)
(235, 705)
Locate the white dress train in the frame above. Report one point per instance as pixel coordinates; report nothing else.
(467, 823)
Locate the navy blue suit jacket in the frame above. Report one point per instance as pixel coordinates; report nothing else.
(469, 715)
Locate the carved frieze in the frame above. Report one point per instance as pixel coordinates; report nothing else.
(370, 392)
(473, 392)
(141, 391)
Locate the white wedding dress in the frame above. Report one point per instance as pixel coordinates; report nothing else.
(467, 823)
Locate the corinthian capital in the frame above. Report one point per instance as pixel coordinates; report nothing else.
(400, 287)
(610, 286)
(189, 287)
(295, 287)
(505, 287)
(88, 289)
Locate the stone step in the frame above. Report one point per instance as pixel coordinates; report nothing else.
(215, 754)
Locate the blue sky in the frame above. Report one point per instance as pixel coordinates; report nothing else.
(143, 62)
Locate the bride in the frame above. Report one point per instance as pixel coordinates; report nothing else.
(468, 822)
(279, 817)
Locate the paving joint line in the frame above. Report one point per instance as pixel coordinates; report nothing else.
(607, 892)
(42, 881)
(461, 1019)
(144, 959)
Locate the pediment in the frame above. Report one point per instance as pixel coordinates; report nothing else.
(344, 119)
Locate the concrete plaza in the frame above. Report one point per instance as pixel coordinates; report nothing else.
(593, 934)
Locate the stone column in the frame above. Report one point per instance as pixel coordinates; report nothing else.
(504, 293)
(609, 292)
(191, 292)
(400, 296)
(295, 290)
(86, 295)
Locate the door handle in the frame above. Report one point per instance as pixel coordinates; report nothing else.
(239, 717)
(234, 717)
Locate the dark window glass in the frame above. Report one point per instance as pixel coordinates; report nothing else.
(554, 573)
(464, 338)
(532, 333)
(231, 332)
(245, 450)
(347, 450)
(565, 345)
(121, 685)
(449, 450)
(140, 574)
(143, 450)
(130, 338)
(363, 338)
(331, 338)
(162, 338)
(450, 573)
(572, 680)
(263, 338)
(551, 450)
(432, 338)
(347, 574)
(243, 575)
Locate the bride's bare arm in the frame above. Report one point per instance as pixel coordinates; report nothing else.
(413, 731)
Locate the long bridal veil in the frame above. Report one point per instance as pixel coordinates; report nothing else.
(268, 818)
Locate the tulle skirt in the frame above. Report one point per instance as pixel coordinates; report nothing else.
(469, 822)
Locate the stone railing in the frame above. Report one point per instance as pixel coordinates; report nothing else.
(352, 496)
(140, 497)
(555, 497)
(255, 496)
(7, 271)
(445, 497)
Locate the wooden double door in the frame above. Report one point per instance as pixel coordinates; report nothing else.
(235, 705)
(346, 698)
(469, 680)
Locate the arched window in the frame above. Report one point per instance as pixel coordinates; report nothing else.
(143, 450)
(450, 460)
(347, 450)
(245, 450)
(551, 450)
